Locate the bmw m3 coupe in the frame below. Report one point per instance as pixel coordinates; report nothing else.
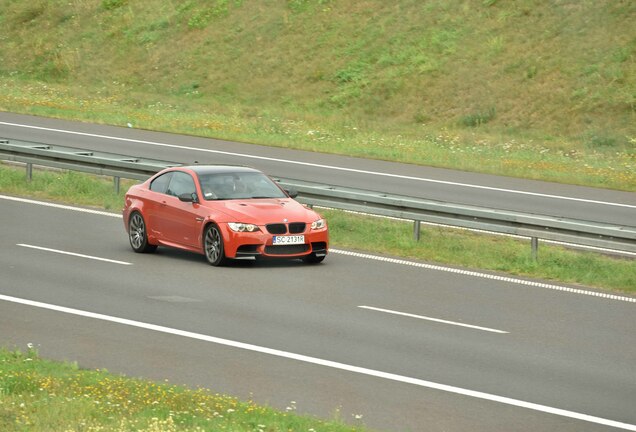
(223, 212)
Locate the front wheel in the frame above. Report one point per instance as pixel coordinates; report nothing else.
(213, 246)
(138, 234)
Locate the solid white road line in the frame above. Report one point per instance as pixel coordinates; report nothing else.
(491, 233)
(326, 363)
(432, 319)
(73, 254)
(471, 273)
(336, 168)
(380, 258)
(60, 206)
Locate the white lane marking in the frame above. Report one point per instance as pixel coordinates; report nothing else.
(380, 258)
(326, 363)
(336, 168)
(61, 252)
(492, 233)
(60, 206)
(432, 319)
(484, 275)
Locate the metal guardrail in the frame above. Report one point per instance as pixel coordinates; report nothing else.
(75, 159)
(579, 232)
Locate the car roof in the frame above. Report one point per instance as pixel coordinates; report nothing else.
(219, 169)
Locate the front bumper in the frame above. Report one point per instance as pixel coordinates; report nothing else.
(249, 245)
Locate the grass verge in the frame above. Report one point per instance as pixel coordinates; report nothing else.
(382, 236)
(39, 395)
(492, 153)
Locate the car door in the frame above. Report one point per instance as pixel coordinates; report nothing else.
(177, 220)
(154, 204)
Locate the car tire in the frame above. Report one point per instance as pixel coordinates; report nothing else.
(138, 234)
(313, 259)
(213, 246)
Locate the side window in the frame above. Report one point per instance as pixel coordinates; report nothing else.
(181, 183)
(160, 184)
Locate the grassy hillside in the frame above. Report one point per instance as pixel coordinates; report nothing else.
(541, 89)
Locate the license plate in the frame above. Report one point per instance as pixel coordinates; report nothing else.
(288, 240)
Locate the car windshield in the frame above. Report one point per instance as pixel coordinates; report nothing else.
(241, 185)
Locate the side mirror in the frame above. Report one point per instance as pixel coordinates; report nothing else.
(189, 197)
(293, 193)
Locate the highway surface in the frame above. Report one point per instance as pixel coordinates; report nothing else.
(406, 346)
(431, 183)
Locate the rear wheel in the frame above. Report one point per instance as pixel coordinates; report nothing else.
(138, 235)
(213, 246)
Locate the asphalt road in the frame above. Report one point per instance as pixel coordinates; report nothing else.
(431, 183)
(458, 351)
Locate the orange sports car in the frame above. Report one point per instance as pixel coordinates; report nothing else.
(223, 212)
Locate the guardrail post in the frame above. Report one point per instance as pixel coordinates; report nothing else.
(416, 230)
(29, 171)
(534, 242)
(116, 181)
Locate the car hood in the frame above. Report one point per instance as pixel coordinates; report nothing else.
(264, 211)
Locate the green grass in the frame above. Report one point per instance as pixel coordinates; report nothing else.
(39, 395)
(528, 88)
(382, 236)
(65, 186)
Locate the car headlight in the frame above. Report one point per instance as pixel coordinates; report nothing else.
(242, 227)
(319, 224)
